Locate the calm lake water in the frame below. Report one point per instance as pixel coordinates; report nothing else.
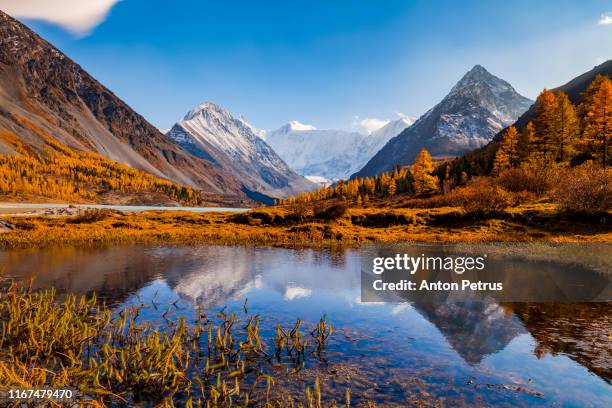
(477, 352)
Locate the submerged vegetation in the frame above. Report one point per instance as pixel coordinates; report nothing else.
(219, 360)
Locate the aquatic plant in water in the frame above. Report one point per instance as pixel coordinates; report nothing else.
(112, 358)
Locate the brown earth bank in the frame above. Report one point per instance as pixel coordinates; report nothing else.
(304, 226)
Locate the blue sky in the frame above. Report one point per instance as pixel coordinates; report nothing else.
(329, 63)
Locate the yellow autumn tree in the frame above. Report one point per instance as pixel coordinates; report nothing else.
(507, 155)
(565, 127)
(424, 182)
(391, 188)
(589, 95)
(544, 141)
(598, 122)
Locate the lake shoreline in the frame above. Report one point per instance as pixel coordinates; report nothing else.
(280, 227)
(36, 209)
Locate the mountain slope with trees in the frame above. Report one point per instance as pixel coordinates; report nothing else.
(42, 87)
(480, 161)
(476, 108)
(561, 157)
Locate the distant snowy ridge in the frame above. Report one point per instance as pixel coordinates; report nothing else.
(330, 154)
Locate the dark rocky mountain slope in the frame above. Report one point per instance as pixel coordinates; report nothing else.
(480, 161)
(476, 109)
(42, 91)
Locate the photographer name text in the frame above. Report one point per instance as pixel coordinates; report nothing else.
(407, 264)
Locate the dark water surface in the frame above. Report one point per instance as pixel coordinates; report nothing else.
(479, 352)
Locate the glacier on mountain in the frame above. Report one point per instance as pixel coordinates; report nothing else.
(330, 154)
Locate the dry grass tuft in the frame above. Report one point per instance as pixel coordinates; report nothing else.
(113, 359)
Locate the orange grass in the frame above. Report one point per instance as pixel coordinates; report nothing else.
(282, 227)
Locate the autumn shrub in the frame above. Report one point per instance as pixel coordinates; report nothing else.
(330, 213)
(92, 215)
(297, 212)
(523, 197)
(586, 189)
(25, 225)
(264, 217)
(244, 218)
(533, 178)
(436, 201)
(381, 220)
(481, 197)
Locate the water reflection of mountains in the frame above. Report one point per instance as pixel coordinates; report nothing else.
(212, 276)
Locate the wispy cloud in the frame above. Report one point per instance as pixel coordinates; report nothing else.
(370, 124)
(76, 16)
(296, 292)
(606, 19)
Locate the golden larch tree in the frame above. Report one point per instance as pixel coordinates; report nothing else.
(424, 182)
(543, 143)
(589, 95)
(391, 188)
(598, 122)
(566, 128)
(507, 155)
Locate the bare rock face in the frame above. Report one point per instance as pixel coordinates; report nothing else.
(475, 110)
(43, 93)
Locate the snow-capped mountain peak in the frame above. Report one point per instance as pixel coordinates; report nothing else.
(206, 108)
(474, 111)
(295, 126)
(232, 143)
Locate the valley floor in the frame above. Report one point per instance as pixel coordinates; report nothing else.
(291, 227)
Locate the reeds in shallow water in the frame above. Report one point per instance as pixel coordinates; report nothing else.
(113, 358)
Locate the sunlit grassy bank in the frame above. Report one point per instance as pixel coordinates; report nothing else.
(306, 226)
(110, 357)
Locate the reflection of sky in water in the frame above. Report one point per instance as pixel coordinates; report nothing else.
(477, 347)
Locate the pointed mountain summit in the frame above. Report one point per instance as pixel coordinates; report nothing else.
(474, 163)
(476, 109)
(235, 146)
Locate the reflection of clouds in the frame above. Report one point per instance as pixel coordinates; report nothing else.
(494, 311)
(212, 276)
(358, 301)
(398, 309)
(296, 292)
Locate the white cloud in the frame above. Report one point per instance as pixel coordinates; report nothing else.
(606, 19)
(77, 16)
(399, 308)
(296, 292)
(370, 124)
